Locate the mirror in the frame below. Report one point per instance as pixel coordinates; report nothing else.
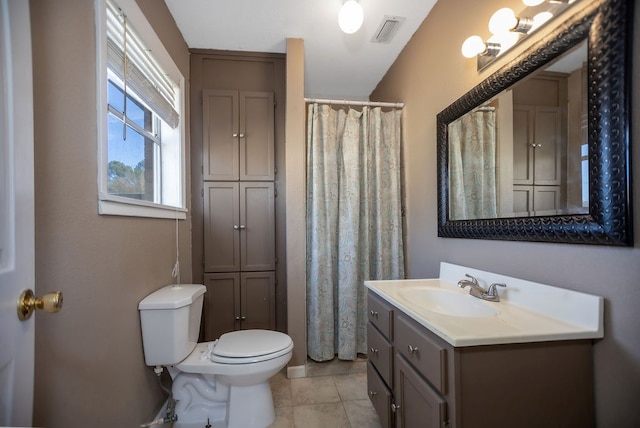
(539, 150)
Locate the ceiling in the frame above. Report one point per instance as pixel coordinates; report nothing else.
(337, 65)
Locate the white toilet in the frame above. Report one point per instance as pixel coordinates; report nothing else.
(224, 382)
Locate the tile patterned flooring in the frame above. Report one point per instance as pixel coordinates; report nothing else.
(334, 394)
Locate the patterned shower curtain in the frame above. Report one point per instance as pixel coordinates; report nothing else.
(354, 223)
(472, 166)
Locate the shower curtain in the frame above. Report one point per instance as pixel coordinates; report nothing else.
(472, 166)
(354, 222)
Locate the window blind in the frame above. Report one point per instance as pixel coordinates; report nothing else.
(128, 58)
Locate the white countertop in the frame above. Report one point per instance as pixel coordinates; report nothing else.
(527, 312)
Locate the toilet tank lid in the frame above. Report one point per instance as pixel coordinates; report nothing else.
(172, 296)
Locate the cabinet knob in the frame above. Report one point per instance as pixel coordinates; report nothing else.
(236, 227)
(372, 393)
(395, 407)
(235, 135)
(373, 313)
(242, 227)
(412, 349)
(374, 351)
(237, 318)
(241, 135)
(243, 318)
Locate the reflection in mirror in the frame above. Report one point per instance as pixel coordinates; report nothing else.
(525, 151)
(539, 151)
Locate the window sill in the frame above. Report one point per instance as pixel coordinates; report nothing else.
(114, 205)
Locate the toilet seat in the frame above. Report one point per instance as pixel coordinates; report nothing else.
(250, 346)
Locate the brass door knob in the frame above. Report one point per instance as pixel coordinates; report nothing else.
(28, 302)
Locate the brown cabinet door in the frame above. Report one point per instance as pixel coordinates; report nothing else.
(548, 144)
(221, 227)
(257, 157)
(221, 304)
(238, 135)
(257, 226)
(220, 135)
(258, 294)
(417, 404)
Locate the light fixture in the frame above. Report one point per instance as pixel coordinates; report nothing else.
(474, 45)
(508, 29)
(350, 17)
(505, 20)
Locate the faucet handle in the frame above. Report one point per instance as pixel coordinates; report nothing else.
(492, 289)
(472, 278)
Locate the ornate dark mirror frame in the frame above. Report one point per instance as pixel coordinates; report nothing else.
(607, 25)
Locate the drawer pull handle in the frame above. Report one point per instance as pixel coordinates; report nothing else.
(395, 407)
(373, 313)
(372, 393)
(374, 351)
(412, 349)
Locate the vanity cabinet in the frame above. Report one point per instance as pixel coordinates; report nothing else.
(434, 384)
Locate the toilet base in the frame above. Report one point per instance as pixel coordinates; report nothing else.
(250, 406)
(205, 397)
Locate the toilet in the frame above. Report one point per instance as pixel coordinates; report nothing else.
(224, 383)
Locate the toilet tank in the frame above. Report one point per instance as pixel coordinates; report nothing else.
(170, 322)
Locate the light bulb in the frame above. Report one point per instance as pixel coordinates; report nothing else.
(532, 2)
(473, 46)
(502, 21)
(540, 19)
(350, 17)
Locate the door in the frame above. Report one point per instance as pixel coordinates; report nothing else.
(17, 270)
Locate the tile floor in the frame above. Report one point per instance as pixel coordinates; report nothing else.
(334, 394)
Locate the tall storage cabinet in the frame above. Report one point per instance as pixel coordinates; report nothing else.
(239, 211)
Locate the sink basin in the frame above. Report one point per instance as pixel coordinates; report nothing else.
(447, 302)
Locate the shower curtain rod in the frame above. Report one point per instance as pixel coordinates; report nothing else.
(353, 103)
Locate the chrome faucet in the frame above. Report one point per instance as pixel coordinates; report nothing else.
(477, 291)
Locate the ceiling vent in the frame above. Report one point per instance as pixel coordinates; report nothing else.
(387, 29)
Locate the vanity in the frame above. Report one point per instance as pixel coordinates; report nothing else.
(439, 357)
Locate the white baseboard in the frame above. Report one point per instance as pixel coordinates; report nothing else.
(296, 371)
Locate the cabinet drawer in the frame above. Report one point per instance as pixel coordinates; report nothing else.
(422, 351)
(381, 315)
(380, 354)
(380, 396)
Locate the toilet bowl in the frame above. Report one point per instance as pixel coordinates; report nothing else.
(224, 382)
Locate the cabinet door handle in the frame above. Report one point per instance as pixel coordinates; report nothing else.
(374, 351)
(372, 393)
(412, 349)
(373, 313)
(395, 407)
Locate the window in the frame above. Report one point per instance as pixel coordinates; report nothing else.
(141, 131)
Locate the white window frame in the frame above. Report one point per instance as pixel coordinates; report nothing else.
(118, 205)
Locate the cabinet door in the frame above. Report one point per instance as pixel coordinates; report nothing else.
(523, 131)
(419, 405)
(258, 294)
(257, 226)
(548, 145)
(221, 227)
(379, 395)
(257, 157)
(220, 135)
(221, 304)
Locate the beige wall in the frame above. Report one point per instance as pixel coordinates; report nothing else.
(89, 365)
(429, 75)
(296, 197)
